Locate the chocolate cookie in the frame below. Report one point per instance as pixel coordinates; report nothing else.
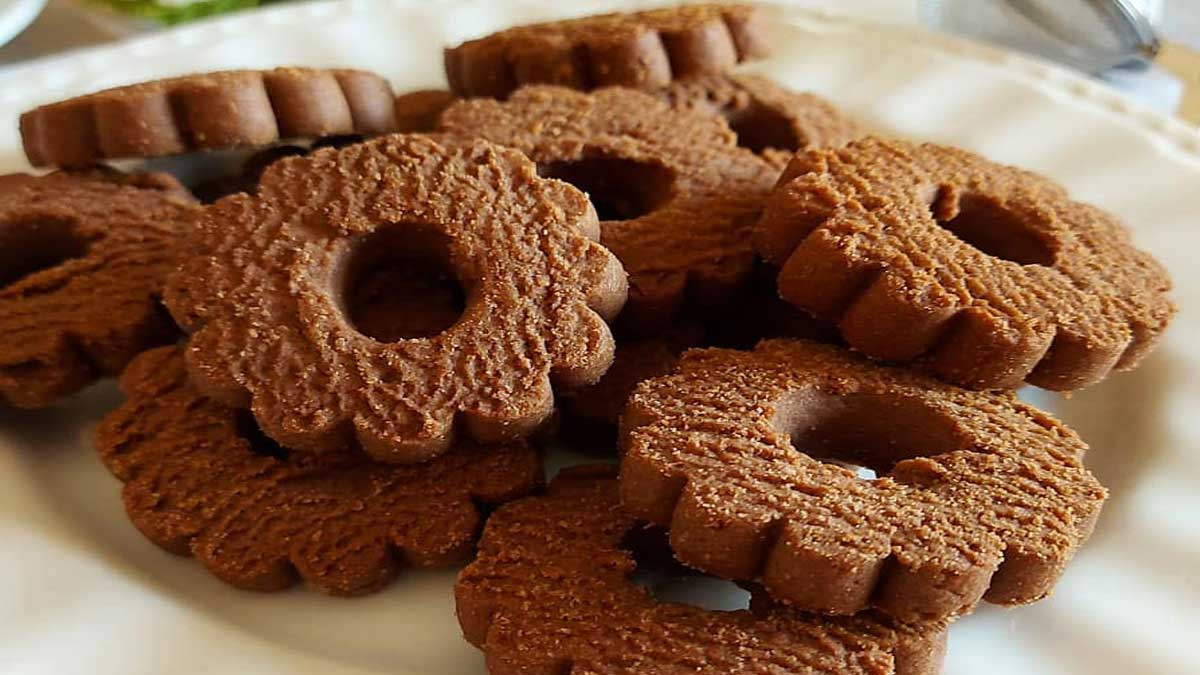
(642, 50)
(677, 198)
(209, 111)
(986, 275)
(550, 592)
(764, 115)
(418, 111)
(977, 494)
(83, 260)
(201, 480)
(267, 296)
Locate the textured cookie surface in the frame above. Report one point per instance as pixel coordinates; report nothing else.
(642, 50)
(83, 261)
(209, 111)
(977, 494)
(765, 115)
(201, 480)
(987, 275)
(267, 296)
(550, 592)
(677, 198)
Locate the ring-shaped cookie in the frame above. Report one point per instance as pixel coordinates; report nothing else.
(83, 261)
(986, 275)
(977, 494)
(265, 296)
(641, 50)
(677, 198)
(550, 592)
(201, 480)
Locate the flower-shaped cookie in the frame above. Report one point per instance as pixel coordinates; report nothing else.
(83, 261)
(977, 494)
(266, 296)
(986, 275)
(201, 480)
(551, 592)
(677, 198)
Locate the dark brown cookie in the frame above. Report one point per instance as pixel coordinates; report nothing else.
(268, 296)
(986, 275)
(209, 111)
(977, 495)
(418, 111)
(83, 260)
(764, 115)
(642, 50)
(551, 592)
(677, 197)
(201, 480)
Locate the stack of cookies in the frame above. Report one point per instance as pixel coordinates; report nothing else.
(803, 339)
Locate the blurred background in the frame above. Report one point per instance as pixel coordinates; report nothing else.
(1149, 49)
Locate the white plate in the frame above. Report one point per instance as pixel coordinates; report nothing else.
(82, 592)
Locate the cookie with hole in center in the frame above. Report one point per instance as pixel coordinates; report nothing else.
(984, 274)
(641, 50)
(83, 261)
(201, 480)
(207, 111)
(551, 592)
(764, 115)
(269, 295)
(677, 198)
(975, 494)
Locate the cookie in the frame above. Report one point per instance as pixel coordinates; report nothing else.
(764, 115)
(266, 296)
(83, 260)
(551, 592)
(641, 50)
(418, 111)
(201, 480)
(209, 111)
(984, 274)
(977, 494)
(677, 198)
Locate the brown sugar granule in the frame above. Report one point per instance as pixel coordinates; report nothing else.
(641, 50)
(83, 261)
(984, 274)
(550, 592)
(267, 296)
(976, 494)
(201, 480)
(208, 111)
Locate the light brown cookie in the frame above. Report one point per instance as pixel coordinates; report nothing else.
(764, 115)
(551, 592)
(201, 480)
(984, 274)
(677, 198)
(641, 50)
(267, 296)
(418, 111)
(208, 111)
(977, 494)
(83, 261)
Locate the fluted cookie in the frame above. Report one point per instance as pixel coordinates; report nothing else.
(764, 115)
(642, 50)
(201, 480)
(83, 261)
(267, 296)
(977, 494)
(208, 111)
(677, 198)
(550, 592)
(986, 275)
